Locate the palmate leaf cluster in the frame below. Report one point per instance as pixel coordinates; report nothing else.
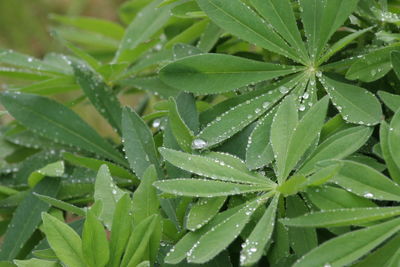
(267, 134)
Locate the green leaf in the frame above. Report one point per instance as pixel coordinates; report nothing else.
(221, 235)
(36, 263)
(321, 19)
(203, 211)
(383, 255)
(259, 149)
(240, 20)
(139, 240)
(338, 146)
(210, 167)
(356, 104)
(372, 66)
(100, 26)
(393, 168)
(55, 169)
(342, 217)
(56, 122)
(26, 218)
(339, 45)
(190, 34)
(182, 133)
(216, 73)
(254, 245)
(146, 24)
(109, 194)
(291, 138)
(94, 242)
(209, 37)
(206, 188)
(145, 199)
(329, 197)
(394, 137)
(395, 56)
(280, 15)
(95, 164)
(121, 230)
(61, 204)
(349, 247)
(302, 240)
(65, 242)
(392, 101)
(365, 181)
(138, 143)
(99, 94)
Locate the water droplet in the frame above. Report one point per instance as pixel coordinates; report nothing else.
(199, 143)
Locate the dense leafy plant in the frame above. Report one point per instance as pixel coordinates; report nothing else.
(257, 140)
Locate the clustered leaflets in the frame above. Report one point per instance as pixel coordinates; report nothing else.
(267, 133)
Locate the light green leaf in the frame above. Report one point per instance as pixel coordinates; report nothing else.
(94, 242)
(100, 26)
(138, 143)
(220, 236)
(206, 188)
(356, 104)
(342, 217)
(106, 191)
(291, 138)
(203, 211)
(36, 263)
(55, 169)
(240, 20)
(58, 123)
(338, 146)
(121, 230)
(254, 245)
(65, 242)
(349, 247)
(209, 37)
(145, 199)
(212, 168)
(365, 181)
(216, 73)
(189, 34)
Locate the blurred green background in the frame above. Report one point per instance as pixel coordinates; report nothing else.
(25, 24)
(25, 27)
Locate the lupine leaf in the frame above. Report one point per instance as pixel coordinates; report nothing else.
(108, 193)
(240, 20)
(349, 247)
(394, 137)
(338, 146)
(206, 188)
(254, 245)
(216, 73)
(65, 242)
(392, 101)
(342, 217)
(94, 242)
(58, 123)
(209, 167)
(138, 143)
(203, 211)
(356, 104)
(216, 240)
(393, 168)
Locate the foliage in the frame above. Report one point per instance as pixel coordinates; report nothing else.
(267, 134)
